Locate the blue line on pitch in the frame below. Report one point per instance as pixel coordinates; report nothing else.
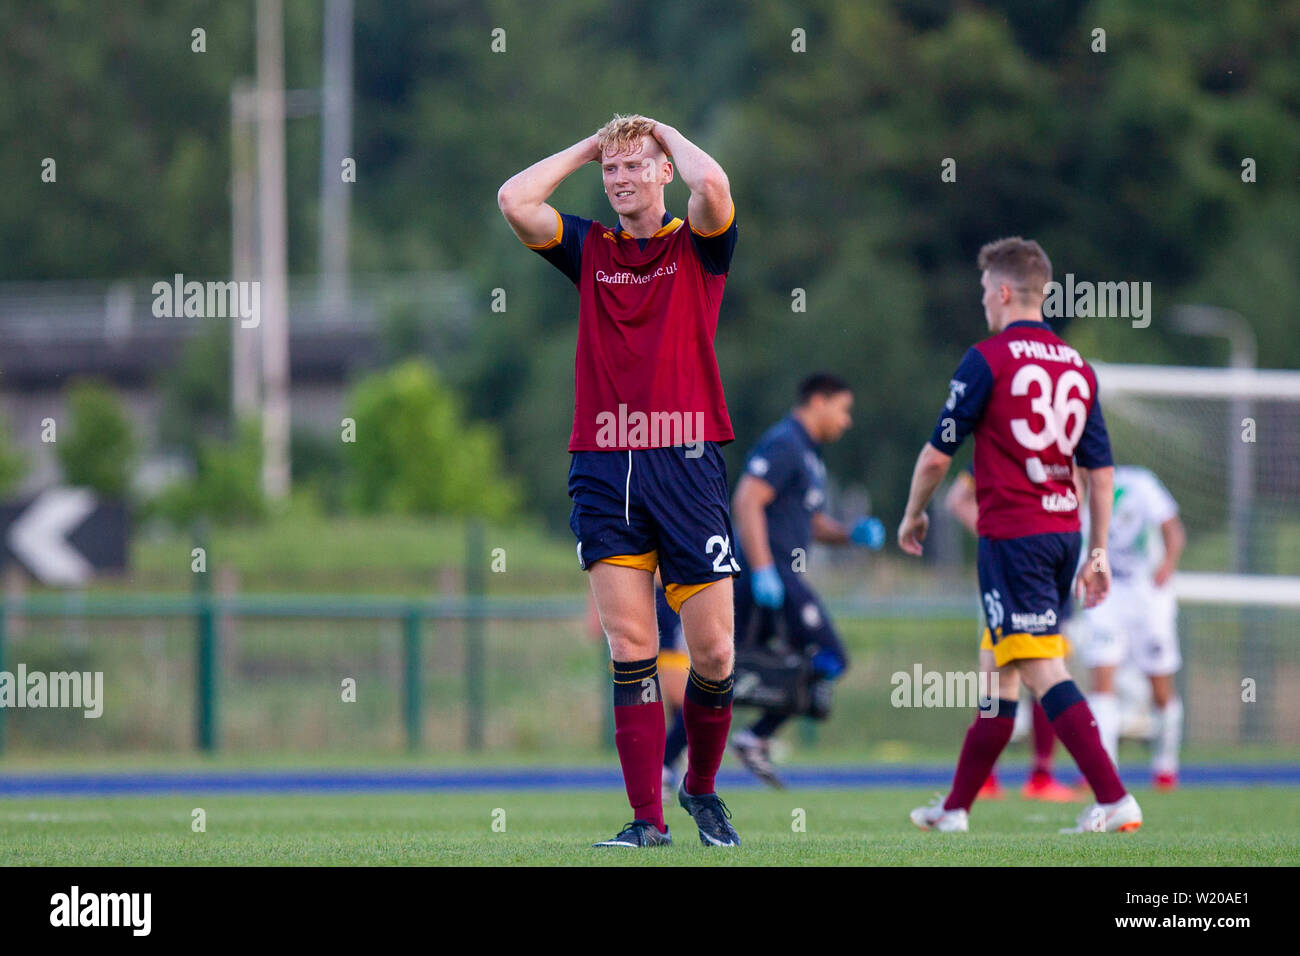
(559, 778)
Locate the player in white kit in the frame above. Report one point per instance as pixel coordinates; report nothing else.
(1137, 623)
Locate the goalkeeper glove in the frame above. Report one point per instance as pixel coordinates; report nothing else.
(868, 532)
(768, 590)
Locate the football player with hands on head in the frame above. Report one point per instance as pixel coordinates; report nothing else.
(646, 476)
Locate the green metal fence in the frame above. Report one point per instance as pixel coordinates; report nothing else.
(416, 618)
(454, 681)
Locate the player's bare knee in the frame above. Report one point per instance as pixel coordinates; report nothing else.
(630, 641)
(714, 656)
(1042, 674)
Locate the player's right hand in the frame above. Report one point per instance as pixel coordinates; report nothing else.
(911, 532)
(768, 590)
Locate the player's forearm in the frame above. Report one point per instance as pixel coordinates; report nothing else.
(699, 171)
(829, 531)
(931, 466)
(534, 185)
(1175, 539)
(751, 524)
(1101, 491)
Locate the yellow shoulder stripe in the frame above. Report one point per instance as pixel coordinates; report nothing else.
(551, 243)
(720, 231)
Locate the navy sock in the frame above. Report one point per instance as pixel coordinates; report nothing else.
(1060, 699)
(709, 693)
(636, 682)
(1005, 708)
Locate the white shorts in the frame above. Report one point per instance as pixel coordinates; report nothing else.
(1136, 623)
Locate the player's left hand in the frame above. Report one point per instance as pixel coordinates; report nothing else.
(912, 532)
(1093, 583)
(1163, 574)
(868, 532)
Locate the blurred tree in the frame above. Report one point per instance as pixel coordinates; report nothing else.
(413, 453)
(96, 448)
(318, 466)
(13, 463)
(1126, 164)
(227, 488)
(196, 392)
(138, 125)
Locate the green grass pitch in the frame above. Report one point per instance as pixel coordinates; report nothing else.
(1192, 827)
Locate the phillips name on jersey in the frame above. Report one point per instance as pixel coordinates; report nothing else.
(1031, 401)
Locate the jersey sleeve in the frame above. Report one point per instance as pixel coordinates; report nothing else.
(968, 396)
(775, 462)
(564, 249)
(1093, 450)
(715, 248)
(1158, 503)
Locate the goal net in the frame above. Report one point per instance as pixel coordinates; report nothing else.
(1226, 443)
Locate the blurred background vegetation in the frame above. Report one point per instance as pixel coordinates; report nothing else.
(1126, 164)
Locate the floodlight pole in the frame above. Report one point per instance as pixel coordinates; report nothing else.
(336, 142)
(273, 214)
(244, 373)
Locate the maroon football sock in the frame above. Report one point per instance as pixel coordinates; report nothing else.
(639, 733)
(706, 710)
(1073, 722)
(985, 741)
(1044, 741)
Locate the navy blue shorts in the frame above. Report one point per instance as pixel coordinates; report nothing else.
(1026, 585)
(654, 502)
(802, 622)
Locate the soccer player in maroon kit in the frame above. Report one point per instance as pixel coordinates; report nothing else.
(1031, 402)
(647, 479)
(1041, 785)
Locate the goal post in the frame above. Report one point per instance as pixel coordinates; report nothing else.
(1226, 443)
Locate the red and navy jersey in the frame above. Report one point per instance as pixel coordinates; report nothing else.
(1032, 403)
(646, 375)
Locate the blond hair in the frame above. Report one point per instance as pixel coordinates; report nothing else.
(1021, 260)
(625, 133)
